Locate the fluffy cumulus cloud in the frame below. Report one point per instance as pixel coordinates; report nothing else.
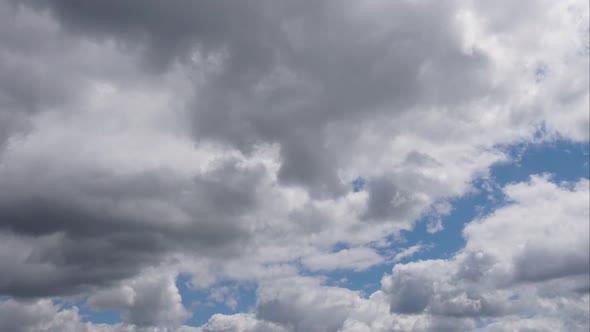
(45, 316)
(481, 288)
(219, 140)
(528, 258)
(148, 300)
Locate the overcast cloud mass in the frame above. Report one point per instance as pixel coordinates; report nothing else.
(147, 145)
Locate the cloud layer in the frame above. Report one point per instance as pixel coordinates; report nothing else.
(140, 140)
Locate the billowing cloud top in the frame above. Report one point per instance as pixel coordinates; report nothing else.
(275, 142)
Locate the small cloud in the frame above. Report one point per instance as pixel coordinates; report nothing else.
(434, 226)
(408, 252)
(357, 259)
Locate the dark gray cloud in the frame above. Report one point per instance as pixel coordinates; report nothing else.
(412, 295)
(100, 240)
(539, 264)
(388, 202)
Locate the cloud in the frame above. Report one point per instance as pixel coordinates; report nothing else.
(305, 304)
(510, 260)
(302, 304)
(45, 316)
(408, 252)
(520, 324)
(239, 323)
(480, 288)
(151, 299)
(357, 259)
(221, 139)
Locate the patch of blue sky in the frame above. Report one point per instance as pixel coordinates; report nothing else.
(565, 160)
(99, 317)
(358, 184)
(198, 301)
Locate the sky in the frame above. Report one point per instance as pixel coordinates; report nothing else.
(294, 166)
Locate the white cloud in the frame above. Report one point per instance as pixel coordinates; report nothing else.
(480, 288)
(221, 141)
(512, 257)
(151, 299)
(240, 323)
(408, 252)
(357, 259)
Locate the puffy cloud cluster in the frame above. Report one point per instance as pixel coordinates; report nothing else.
(45, 316)
(515, 260)
(142, 139)
(481, 288)
(150, 299)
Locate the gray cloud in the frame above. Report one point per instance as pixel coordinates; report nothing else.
(386, 201)
(555, 264)
(227, 133)
(45, 316)
(150, 300)
(288, 72)
(412, 295)
(99, 240)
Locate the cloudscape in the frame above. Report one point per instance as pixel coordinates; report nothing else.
(294, 166)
